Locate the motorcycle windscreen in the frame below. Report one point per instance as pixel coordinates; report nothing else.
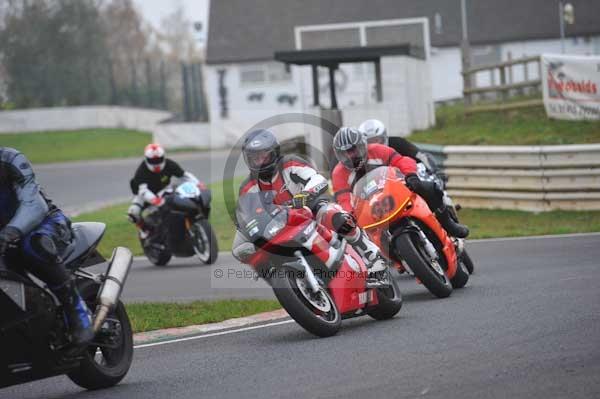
(255, 212)
(371, 197)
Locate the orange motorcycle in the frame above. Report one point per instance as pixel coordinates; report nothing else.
(407, 231)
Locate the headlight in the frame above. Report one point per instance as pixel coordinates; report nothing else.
(276, 225)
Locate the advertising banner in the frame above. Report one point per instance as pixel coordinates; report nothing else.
(571, 86)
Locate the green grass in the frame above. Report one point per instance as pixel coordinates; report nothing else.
(491, 223)
(154, 316)
(64, 146)
(527, 126)
(120, 232)
(484, 223)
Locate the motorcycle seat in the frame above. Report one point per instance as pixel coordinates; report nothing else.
(86, 237)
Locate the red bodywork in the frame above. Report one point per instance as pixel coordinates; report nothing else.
(393, 202)
(348, 285)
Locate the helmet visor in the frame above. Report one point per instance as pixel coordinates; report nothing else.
(260, 160)
(353, 157)
(155, 161)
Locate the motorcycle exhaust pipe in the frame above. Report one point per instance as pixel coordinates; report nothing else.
(114, 280)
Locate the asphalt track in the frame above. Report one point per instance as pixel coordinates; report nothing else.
(82, 186)
(526, 326)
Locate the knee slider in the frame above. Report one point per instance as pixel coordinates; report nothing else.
(343, 223)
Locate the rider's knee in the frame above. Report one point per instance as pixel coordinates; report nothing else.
(43, 248)
(344, 223)
(134, 212)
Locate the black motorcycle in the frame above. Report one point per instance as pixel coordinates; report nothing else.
(34, 337)
(180, 226)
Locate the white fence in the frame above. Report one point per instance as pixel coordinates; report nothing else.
(536, 178)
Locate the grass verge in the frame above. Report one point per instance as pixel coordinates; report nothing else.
(484, 223)
(527, 126)
(120, 232)
(81, 145)
(155, 316)
(493, 223)
(76, 145)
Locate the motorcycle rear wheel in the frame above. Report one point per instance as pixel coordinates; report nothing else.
(410, 248)
(390, 298)
(102, 368)
(286, 287)
(467, 261)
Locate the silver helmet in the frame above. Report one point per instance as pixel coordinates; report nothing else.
(374, 131)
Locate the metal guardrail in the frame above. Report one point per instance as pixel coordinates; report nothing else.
(534, 178)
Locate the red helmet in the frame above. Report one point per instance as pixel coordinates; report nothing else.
(155, 157)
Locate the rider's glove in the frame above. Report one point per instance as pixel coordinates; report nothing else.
(412, 182)
(427, 160)
(301, 200)
(9, 236)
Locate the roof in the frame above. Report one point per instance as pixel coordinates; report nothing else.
(333, 56)
(252, 30)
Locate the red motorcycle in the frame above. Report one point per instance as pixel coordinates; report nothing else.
(408, 233)
(316, 296)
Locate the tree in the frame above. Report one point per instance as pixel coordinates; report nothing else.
(53, 52)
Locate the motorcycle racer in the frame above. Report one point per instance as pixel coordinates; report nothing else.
(32, 225)
(356, 157)
(153, 175)
(295, 180)
(376, 133)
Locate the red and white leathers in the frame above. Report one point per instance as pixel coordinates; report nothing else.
(293, 176)
(343, 179)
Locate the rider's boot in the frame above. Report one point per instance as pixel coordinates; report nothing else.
(376, 264)
(453, 228)
(78, 315)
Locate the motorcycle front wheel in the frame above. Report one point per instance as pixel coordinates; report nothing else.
(204, 242)
(316, 312)
(156, 256)
(411, 249)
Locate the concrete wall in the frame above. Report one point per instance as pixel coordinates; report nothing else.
(180, 135)
(75, 118)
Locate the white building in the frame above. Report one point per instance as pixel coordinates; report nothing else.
(245, 84)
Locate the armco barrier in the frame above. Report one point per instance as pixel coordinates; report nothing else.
(534, 178)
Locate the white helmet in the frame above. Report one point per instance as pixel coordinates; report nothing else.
(374, 131)
(155, 157)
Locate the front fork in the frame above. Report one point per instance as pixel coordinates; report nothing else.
(311, 279)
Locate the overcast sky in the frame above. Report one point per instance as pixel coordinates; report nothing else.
(155, 10)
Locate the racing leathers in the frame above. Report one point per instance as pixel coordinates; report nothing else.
(405, 148)
(296, 179)
(343, 180)
(38, 234)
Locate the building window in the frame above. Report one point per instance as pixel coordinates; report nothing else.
(259, 74)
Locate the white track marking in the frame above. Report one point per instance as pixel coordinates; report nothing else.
(213, 334)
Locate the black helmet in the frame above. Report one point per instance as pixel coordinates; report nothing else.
(261, 152)
(350, 147)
